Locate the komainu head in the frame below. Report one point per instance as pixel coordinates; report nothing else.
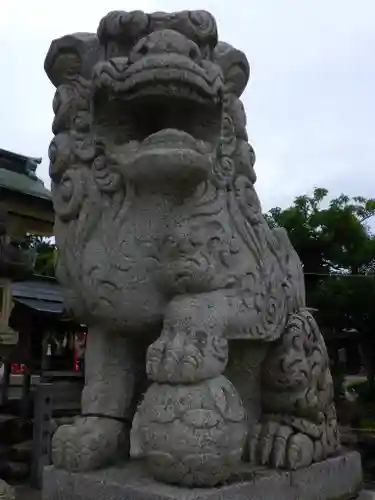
(154, 93)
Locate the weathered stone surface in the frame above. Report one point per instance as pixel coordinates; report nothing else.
(338, 478)
(165, 254)
(6, 491)
(172, 424)
(342, 479)
(25, 492)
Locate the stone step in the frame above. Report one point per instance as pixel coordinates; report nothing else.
(14, 430)
(24, 492)
(14, 471)
(6, 417)
(366, 495)
(64, 420)
(21, 452)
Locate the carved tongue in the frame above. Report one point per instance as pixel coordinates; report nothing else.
(170, 136)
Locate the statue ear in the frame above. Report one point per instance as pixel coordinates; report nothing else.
(71, 56)
(234, 65)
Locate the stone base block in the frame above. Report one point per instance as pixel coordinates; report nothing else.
(339, 478)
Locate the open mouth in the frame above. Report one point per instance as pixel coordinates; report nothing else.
(152, 106)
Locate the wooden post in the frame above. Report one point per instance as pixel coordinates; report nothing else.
(42, 433)
(51, 399)
(25, 399)
(4, 389)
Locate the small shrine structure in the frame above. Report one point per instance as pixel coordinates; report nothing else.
(26, 208)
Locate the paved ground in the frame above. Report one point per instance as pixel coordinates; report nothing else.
(27, 493)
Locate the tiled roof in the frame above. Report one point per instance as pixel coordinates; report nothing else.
(18, 173)
(42, 295)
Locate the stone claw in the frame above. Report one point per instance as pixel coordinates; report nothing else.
(279, 451)
(173, 360)
(266, 441)
(280, 446)
(88, 444)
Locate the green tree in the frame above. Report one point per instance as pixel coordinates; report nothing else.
(44, 252)
(329, 239)
(337, 250)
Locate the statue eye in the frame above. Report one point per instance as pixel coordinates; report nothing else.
(201, 337)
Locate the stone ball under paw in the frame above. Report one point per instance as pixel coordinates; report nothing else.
(192, 435)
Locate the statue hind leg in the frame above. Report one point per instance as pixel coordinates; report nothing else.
(100, 436)
(298, 425)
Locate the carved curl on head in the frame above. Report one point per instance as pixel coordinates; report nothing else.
(126, 28)
(235, 67)
(71, 56)
(123, 26)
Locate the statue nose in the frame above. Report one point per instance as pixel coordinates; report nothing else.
(166, 41)
(119, 63)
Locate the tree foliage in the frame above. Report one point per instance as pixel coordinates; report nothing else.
(331, 237)
(337, 249)
(44, 251)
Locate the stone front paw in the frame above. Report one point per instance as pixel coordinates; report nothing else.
(88, 444)
(278, 445)
(192, 346)
(186, 357)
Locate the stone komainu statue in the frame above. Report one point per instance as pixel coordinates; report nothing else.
(165, 255)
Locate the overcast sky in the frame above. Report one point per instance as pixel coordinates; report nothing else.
(310, 101)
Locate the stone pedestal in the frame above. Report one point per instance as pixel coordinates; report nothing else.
(339, 478)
